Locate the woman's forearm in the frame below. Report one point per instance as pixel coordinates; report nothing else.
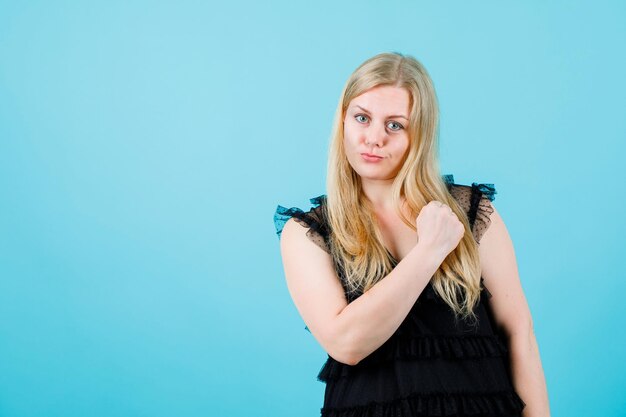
(528, 377)
(370, 320)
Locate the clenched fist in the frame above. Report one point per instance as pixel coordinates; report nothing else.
(438, 228)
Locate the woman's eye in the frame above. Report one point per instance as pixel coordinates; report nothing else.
(361, 118)
(398, 126)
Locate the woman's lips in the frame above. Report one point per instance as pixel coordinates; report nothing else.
(371, 158)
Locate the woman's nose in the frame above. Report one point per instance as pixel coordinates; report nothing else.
(375, 135)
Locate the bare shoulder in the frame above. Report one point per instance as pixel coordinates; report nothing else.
(313, 285)
(501, 277)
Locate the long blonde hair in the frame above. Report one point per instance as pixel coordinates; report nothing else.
(355, 237)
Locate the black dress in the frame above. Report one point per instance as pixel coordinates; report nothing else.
(433, 365)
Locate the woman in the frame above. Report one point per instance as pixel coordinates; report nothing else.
(390, 269)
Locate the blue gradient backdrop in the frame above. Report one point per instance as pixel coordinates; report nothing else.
(144, 146)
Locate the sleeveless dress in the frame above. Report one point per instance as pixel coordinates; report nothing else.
(433, 365)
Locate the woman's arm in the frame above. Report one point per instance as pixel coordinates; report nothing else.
(350, 332)
(511, 313)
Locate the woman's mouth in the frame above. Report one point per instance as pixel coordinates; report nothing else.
(371, 158)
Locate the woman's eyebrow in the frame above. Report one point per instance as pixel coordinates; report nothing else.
(395, 115)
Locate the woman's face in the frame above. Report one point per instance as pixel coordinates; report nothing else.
(376, 123)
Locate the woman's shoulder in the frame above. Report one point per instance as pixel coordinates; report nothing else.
(314, 219)
(476, 200)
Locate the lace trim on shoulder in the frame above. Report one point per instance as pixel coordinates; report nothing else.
(448, 179)
(494, 403)
(314, 219)
(481, 208)
(476, 200)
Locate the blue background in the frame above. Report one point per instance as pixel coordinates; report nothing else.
(145, 145)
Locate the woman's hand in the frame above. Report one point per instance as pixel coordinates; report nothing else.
(438, 228)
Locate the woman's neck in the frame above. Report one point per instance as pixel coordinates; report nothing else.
(379, 194)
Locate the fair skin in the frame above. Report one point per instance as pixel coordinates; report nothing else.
(512, 315)
(350, 332)
(376, 123)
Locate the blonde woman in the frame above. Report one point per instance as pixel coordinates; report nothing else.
(407, 280)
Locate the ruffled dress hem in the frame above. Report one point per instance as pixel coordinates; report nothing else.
(500, 403)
